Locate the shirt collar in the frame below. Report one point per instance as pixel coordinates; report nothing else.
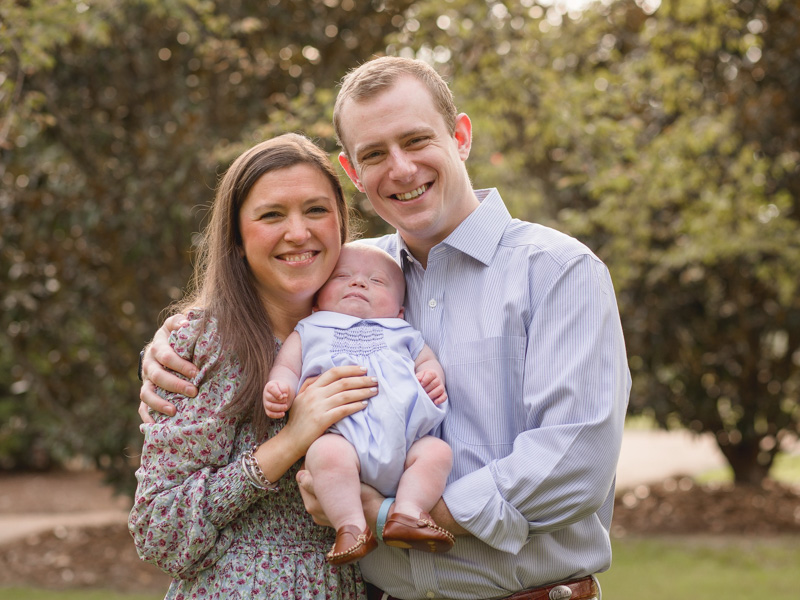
(477, 236)
(404, 256)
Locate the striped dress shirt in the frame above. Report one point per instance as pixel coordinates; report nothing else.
(525, 323)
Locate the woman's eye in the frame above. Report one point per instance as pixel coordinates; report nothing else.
(318, 210)
(273, 214)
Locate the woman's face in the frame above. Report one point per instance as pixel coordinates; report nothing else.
(290, 234)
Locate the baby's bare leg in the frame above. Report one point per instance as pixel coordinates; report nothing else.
(428, 464)
(333, 463)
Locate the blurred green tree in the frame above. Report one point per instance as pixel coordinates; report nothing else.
(665, 135)
(117, 118)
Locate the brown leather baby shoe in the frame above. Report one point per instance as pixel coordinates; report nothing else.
(423, 534)
(351, 545)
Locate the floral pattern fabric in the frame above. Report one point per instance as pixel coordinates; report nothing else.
(197, 517)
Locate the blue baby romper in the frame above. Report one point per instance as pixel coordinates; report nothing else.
(400, 414)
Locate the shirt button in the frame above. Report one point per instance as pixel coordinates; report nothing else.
(432, 304)
(430, 594)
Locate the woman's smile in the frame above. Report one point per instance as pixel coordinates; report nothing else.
(298, 258)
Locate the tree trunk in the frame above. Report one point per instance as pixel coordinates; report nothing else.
(744, 460)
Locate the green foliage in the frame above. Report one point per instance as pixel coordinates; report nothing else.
(668, 143)
(118, 117)
(665, 136)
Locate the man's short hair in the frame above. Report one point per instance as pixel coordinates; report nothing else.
(378, 74)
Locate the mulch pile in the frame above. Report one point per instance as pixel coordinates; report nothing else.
(681, 507)
(104, 557)
(91, 558)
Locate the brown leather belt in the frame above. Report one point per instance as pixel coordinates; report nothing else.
(584, 588)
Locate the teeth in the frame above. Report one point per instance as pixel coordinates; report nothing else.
(297, 257)
(412, 194)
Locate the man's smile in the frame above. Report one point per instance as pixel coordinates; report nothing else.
(413, 193)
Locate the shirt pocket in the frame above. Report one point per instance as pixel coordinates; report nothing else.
(484, 381)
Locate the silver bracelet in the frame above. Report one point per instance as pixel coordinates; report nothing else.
(255, 476)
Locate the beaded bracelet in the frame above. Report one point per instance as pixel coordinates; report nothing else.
(255, 476)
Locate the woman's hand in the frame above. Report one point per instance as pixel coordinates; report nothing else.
(158, 357)
(337, 393)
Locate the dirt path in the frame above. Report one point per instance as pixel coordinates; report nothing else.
(67, 530)
(32, 504)
(36, 503)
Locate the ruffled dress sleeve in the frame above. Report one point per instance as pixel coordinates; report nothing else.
(190, 483)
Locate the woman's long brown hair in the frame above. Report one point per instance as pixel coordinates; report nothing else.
(223, 285)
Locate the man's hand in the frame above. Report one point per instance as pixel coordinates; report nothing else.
(306, 484)
(371, 500)
(432, 384)
(158, 357)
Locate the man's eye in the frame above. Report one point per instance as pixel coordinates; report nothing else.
(371, 156)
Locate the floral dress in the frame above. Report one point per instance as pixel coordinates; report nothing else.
(197, 517)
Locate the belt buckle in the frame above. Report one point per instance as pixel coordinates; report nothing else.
(560, 592)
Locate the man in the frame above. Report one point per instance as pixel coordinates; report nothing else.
(524, 321)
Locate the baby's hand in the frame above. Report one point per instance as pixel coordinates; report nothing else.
(432, 384)
(277, 399)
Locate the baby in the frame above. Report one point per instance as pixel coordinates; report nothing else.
(357, 320)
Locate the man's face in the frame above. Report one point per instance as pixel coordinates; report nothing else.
(408, 163)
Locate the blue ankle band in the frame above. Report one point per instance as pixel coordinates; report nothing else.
(383, 512)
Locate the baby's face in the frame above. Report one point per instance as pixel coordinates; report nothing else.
(366, 283)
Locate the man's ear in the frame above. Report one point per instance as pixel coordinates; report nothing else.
(350, 170)
(463, 135)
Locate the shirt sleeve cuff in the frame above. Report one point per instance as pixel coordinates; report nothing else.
(229, 494)
(476, 505)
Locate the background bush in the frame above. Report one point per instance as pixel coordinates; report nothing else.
(665, 135)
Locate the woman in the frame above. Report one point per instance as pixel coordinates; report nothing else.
(216, 504)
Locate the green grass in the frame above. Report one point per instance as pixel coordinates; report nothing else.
(658, 568)
(698, 567)
(663, 568)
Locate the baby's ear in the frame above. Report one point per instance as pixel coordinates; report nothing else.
(402, 312)
(314, 308)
